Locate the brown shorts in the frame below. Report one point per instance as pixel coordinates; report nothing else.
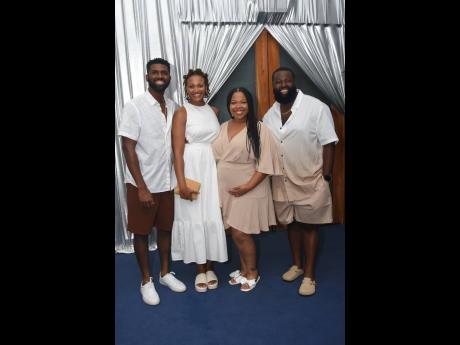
(141, 220)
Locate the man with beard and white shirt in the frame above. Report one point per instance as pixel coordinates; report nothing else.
(145, 129)
(304, 128)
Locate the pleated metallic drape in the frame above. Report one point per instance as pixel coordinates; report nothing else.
(144, 29)
(289, 11)
(216, 49)
(316, 12)
(218, 11)
(320, 52)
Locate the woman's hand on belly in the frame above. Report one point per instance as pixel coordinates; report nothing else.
(240, 190)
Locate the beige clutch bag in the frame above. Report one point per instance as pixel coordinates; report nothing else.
(193, 185)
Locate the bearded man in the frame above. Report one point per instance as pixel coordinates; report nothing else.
(305, 131)
(145, 129)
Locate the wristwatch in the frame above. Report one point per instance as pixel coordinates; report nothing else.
(328, 178)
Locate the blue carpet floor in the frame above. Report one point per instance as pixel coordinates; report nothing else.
(273, 313)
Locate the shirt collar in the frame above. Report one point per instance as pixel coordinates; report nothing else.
(152, 101)
(298, 100)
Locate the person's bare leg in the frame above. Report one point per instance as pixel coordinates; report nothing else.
(210, 267)
(141, 249)
(164, 247)
(310, 240)
(247, 248)
(243, 267)
(295, 243)
(201, 268)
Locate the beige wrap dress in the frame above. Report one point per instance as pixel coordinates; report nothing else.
(252, 212)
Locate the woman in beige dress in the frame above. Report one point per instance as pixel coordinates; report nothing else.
(246, 153)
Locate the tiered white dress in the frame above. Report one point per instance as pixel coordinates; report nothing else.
(198, 231)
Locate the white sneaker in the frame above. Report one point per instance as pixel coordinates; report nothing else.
(172, 282)
(149, 294)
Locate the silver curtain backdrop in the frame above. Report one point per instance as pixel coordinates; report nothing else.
(215, 36)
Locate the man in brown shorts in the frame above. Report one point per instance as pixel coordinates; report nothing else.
(304, 128)
(145, 129)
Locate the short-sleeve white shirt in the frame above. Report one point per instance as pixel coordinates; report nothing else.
(301, 140)
(143, 121)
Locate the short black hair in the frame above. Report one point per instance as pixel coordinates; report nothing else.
(282, 69)
(159, 61)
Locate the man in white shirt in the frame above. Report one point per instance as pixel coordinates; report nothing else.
(304, 128)
(145, 129)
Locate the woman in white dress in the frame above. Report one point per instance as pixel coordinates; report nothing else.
(198, 232)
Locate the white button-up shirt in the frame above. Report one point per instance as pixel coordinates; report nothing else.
(301, 140)
(143, 121)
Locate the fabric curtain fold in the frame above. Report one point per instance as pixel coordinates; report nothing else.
(215, 48)
(252, 11)
(320, 52)
(143, 30)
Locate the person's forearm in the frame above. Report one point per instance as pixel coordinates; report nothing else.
(178, 146)
(328, 158)
(179, 170)
(256, 179)
(133, 165)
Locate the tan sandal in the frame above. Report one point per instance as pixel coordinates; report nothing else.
(292, 274)
(200, 279)
(307, 288)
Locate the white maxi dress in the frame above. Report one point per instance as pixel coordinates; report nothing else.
(198, 231)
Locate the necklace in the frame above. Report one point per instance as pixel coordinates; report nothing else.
(285, 113)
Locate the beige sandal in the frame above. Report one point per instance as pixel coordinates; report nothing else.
(210, 276)
(200, 279)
